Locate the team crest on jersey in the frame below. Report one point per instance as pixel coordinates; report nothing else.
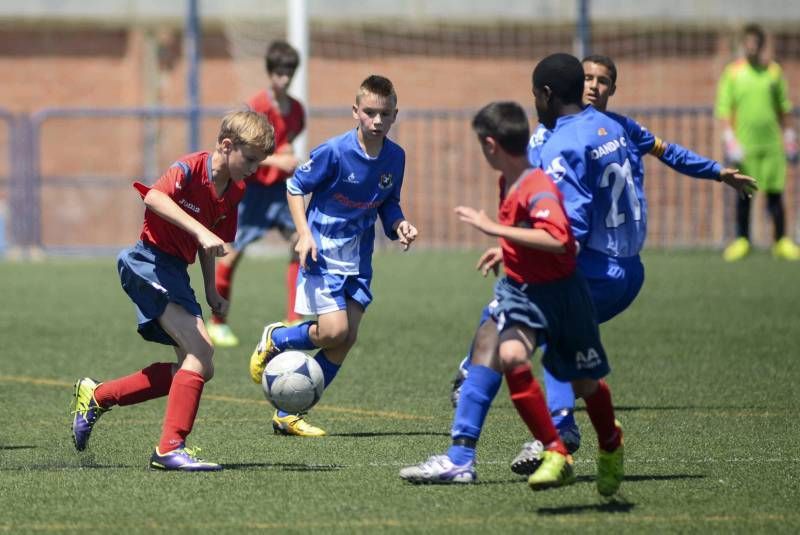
(306, 167)
(386, 181)
(556, 169)
(601, 131)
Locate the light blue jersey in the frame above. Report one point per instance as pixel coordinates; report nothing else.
(350, 191)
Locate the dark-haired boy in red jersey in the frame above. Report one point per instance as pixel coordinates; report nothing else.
(264, 204)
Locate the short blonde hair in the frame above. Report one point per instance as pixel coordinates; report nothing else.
(248, 128)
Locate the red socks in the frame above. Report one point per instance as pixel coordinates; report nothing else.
(182, 404)
(531, 406)
(291, 290)
(601, 412)
(150, 383)
(222, 279)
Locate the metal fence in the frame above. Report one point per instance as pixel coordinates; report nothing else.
(70, 170)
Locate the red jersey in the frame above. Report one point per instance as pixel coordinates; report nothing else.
(534, 201)
(188, 183)
(287, 127)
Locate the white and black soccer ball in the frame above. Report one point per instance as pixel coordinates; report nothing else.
(293, 382)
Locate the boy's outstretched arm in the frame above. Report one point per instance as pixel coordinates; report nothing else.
(534, 238)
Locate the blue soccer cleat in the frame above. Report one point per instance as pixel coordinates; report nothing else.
(439, 469)
(182, 459)
(85, 411)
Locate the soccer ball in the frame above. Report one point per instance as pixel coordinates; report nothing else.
(293, 382)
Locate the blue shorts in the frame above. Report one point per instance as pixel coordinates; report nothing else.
(327, 292)
(262, 208)
(561, 311)
(152, 278)
(613, 282)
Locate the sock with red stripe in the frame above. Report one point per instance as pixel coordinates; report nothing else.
(149, 383)
(182, 404)
(532, 408)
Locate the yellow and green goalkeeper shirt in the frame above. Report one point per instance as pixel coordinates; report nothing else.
(753, 99)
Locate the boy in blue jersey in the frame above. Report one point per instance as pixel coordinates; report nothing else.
(615, 288)
(355, 178)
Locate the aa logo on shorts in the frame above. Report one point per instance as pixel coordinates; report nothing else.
(587, 361)
(386, 181)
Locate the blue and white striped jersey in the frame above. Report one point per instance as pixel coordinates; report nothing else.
(349, 191)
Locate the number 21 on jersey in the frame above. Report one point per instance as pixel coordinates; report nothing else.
(620, 179)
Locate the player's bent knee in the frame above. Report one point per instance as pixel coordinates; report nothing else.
(333, 337)
(510, 359)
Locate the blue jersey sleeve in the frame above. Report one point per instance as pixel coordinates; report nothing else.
(673, 155)
(540, 135)
(390, 211)
(322, 166)
(565, 169)
(685, 161)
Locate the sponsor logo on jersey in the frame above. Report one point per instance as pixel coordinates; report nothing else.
(351, 179)
(537, 138)
(608, 147)
(306, 167)
(189, 206)
(385, 181)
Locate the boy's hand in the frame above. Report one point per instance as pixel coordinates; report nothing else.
(407, 233)
(219, 305)
(745, 185)
(476, 218)
(490, 260)
(305, 246)
(211, 244)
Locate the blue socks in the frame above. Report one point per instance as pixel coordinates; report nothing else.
(329, 371)
(294, 337)
(559, 396)
(476, 397)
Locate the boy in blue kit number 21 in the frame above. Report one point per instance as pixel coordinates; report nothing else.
(190, 212)
(354, 178)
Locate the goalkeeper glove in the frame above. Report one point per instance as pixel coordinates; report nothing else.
(790, 144)
(732, 148)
